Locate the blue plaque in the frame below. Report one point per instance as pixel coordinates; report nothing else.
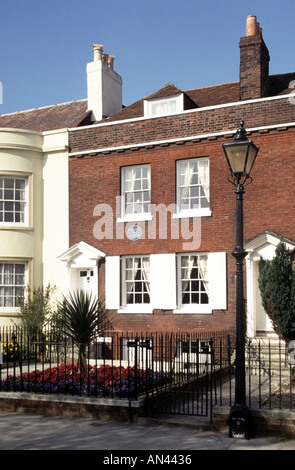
(134, 233)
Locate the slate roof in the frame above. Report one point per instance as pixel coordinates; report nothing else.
(75, 114)
(206, 96)
(47, 118)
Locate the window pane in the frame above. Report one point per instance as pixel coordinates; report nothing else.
(19, 184)
(8, 183)
(137, 280)
(8, 217)
(136, 189)
(193, 279)
(8, 194)
(12, 200)
(12, 284)
(193, 184)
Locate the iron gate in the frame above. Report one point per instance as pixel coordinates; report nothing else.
(190, 390)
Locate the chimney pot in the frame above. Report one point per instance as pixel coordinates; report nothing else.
(111, 61)
(105, 58)
(252, 27)
(97, 51)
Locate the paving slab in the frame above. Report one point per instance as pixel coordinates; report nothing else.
(34, 432)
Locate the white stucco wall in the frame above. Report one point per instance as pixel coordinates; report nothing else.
(42, 159)
(55, 208)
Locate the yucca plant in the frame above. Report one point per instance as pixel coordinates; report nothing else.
(81, 315)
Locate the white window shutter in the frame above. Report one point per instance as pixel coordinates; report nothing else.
(163, 281)
(217, 281)
(112, 282)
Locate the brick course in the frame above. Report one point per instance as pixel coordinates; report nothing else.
(257, 113)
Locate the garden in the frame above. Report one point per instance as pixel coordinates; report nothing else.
(97, 380)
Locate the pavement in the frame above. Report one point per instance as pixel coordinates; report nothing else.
(116, 440)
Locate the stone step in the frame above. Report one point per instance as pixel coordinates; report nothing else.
(267, 356)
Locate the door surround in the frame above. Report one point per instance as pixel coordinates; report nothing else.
(263, 245)
(82, 257)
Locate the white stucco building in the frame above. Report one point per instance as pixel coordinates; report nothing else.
(34, 194)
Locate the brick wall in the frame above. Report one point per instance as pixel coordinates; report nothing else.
(258, 113)
(254, 67)
(269, 204)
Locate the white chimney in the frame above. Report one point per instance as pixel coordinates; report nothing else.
(104, 85)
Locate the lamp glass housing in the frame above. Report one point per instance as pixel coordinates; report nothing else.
(241, 155)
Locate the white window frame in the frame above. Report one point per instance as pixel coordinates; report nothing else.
(194, 307)
(164, 284)
(14, 201)
(193, 185)
(216, 285)
(140, 307)
(14, 308)
(135, 211)
(163, 106)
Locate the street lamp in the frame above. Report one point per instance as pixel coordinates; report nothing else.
(240, 154)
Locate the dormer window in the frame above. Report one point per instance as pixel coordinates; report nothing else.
(163, 106)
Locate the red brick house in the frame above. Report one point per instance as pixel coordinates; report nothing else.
(152, 214)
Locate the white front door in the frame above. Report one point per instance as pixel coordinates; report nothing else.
(86, 280)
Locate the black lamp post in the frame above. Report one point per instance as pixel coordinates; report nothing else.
(241, 154)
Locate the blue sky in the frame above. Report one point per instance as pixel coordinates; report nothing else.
(46, 44)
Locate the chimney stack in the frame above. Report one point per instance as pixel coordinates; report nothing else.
(104, 85)
(254, 62)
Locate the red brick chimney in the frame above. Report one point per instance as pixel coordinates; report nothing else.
(254, 62)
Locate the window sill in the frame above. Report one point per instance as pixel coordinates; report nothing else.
(15, 227)
(5, 310)
(194, 310)
(135, 218)
(136, 309)
(192, 213)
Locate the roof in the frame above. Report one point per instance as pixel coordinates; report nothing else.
(207, 96)
(195, 98)
(58, 116)
(75, 114)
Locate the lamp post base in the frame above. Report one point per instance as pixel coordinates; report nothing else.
(239, 422)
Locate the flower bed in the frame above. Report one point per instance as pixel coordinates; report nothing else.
(104, 380)
(9, 351)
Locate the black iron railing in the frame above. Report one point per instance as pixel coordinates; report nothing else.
(119, 364)
(180, 373)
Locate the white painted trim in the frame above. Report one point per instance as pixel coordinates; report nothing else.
(144, 216)
(112, 282)
(78, 249)
(147, 105)
(163, 281)
(217, 279)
